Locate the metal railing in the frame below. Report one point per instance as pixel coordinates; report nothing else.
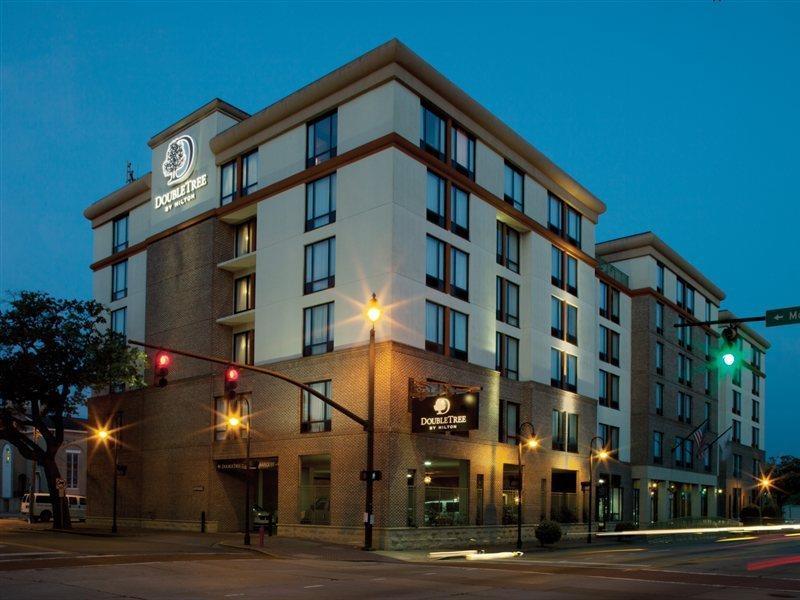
(446, 506)
(313, 504)
(613, 272)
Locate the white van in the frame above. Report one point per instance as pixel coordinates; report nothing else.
(43, 509)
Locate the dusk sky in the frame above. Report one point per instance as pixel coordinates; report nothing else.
(682, 118)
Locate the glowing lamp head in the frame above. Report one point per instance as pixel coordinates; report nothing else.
(373, 309)
(103, 434)
(163, 360)
(234, 421)
(533, 443)
(427, 479)
(765, 483)
(603, 454)
(728, 358)
(231, 374)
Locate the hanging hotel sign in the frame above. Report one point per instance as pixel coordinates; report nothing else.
(178, 167)
(445, 412)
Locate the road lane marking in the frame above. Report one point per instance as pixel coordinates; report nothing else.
(308, 587)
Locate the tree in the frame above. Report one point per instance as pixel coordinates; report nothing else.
(52, 352)
(785, 472)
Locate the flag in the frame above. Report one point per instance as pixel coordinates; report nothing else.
(698, 434)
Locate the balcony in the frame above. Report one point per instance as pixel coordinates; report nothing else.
(240, 263)
(246, 317)
(613, 272)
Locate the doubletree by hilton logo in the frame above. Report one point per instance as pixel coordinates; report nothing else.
(178, 165)
(179, 161)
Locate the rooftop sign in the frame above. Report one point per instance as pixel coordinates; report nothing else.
(178, 166)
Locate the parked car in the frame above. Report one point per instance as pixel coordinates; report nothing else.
(261, 516)
(43, 507)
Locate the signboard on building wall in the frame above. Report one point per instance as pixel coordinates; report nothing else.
(445, 412)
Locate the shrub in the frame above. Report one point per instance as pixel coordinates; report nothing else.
(771, 511)
(548, 532)
(625, 526)
(567, 515)
(750, 514)
(443, 519)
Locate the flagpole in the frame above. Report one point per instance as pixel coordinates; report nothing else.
(711, 443)
(688, 436)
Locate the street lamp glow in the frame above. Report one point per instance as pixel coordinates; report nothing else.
(728, 358)
(765, 482)
(533, 443)
(603, 454)
(103, 434)
(234, 421)
(373, 309)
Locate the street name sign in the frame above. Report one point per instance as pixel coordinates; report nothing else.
(783, 316)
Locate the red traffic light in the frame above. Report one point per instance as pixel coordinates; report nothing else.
(231, 374)
(231, 381)
(163, 360)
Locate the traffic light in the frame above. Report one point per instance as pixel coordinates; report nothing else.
(729, 353)
(231, 381)
(163, 361)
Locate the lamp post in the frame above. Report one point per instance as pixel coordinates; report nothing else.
(602, 454)
(106, 437)
(236, 422)
(373, 314)
(532, 443)
(765, 483)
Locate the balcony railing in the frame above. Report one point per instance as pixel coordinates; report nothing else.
(613, 272)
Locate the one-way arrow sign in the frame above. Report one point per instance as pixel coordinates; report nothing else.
(783, 316)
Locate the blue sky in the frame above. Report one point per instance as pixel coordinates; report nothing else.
(682, 117)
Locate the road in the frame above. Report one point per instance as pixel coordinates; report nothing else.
(41, 564)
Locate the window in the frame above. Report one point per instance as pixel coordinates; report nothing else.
(736, 405)
(684, 296)
(658, 446)
(243, 347)
(688, 453)
(659, 317)
(707, 459)
(684, 334)
(565, 431)
(120, 234)
(119, 280)
(73, 458)
(507, 247)
(563, 370)
(677, 451)
(564, 221)
(561, 263)
(463, 151)
(756, 385)
(321, 202)
(249, 172)
(608, 389)
(608, 345)
(707, 345)
(436, 201)
(707, 417)
(246, 238)
(564, 320)
(434, 327)
(756, 441)
(609, 435)
(507, 355)
(320, 269)
(755, 359)
(244, 293)
(659, 397)
(736, 377)
(315, 414)
(684, 370)
(514, 187)
(756, 467)
(318, 329)
(432, 132)
(609, 302)
(659, 358)
(434, 263)
(118, 321)
(660, 278)
(321, 139)
(459, 212)
(737, 431)
(684, 406)
(707, 304)
(556, 317)
(737, 465)
(507, 302)
(227, 183)
(509, 422)
(707, 382)
(459, 273)
(756, 416)
(458, 334)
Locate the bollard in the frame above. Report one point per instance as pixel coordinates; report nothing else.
(261, 536)
(269, 525)
(203, 522)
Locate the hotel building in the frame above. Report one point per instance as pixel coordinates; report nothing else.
(260, 239)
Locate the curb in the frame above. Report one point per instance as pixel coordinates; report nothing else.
(249, 548)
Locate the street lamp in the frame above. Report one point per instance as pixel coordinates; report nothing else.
(765, 483)
(532, 443)
(373, 314)
(236, 422)
(104, 435)
(601, 454)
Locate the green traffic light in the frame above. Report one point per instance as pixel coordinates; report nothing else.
(728, 358)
